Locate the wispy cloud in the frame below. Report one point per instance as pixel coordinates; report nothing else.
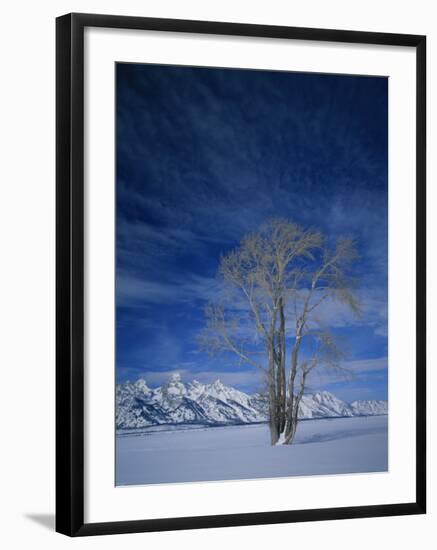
(367, 365)
(357, 373)
(134, 291)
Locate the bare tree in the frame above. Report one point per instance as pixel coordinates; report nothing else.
(274, 285)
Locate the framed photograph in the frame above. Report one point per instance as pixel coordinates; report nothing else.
(240, 274)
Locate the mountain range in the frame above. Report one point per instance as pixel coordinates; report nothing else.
(139, 406)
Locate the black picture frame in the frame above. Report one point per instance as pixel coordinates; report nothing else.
(70, 273)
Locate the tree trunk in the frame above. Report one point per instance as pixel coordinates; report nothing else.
(281, 367)
(274, 429)
(292, 425)
(274, 416)
(290, 432)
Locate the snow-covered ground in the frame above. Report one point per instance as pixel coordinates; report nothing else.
(322, 446)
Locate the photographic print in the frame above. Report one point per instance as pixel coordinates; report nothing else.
(251, 274)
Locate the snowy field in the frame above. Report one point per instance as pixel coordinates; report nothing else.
(323, 446)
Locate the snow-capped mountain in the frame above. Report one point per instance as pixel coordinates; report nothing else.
(138, 406)
(369, 408)
(323, 404)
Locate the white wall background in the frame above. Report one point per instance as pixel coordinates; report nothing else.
(27, 124)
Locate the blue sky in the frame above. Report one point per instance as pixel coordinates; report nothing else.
(205, 156)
